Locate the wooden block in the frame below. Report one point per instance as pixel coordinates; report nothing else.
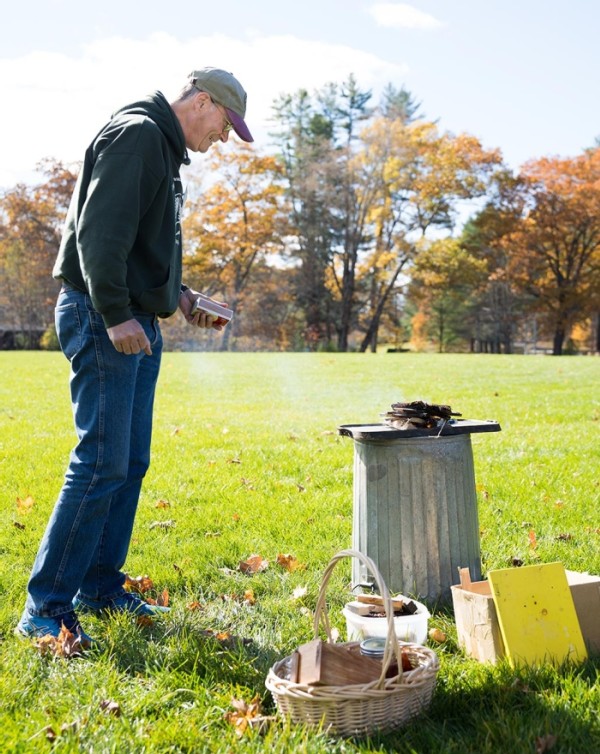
(536, 614)
(476, 620)
(585, 589)
(373, 599)
(323, 664)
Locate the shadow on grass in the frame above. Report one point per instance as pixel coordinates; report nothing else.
(476, 708)
(506, 710)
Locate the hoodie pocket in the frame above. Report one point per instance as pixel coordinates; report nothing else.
(164, 298)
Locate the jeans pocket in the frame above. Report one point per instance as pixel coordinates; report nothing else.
(156, 340)
(68, 328)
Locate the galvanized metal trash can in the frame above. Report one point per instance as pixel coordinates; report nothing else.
(415, 505)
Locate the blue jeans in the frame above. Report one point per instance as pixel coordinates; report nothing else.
(88, 534)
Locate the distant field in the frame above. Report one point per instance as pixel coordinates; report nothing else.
(247, 460)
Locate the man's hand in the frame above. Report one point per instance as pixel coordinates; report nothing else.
(200, 319)
(129, 337)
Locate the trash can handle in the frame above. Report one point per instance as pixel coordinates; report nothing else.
(392, 646)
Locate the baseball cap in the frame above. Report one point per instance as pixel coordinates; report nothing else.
(227, 91)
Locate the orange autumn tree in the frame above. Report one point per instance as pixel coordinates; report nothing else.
(554, 253)
(31, 220)
(232, 228)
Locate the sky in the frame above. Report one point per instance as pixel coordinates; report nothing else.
(520, 75)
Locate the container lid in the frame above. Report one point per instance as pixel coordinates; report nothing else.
(373, 646)
(384, 432)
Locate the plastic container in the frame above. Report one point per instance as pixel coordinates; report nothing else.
(411, 628)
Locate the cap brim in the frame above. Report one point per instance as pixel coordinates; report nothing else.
(239, 125)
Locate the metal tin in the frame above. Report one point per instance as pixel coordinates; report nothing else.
(373, 646)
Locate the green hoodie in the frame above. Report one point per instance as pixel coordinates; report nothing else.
(122, 237)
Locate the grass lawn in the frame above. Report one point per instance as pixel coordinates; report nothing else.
(247, 460)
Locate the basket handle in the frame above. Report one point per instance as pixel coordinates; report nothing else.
(392, 647)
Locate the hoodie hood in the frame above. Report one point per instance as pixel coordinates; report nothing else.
(156, 107)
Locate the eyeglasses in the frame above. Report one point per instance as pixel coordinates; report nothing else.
(228, 124)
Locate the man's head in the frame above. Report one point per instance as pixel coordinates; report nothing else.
(225, 90)
(212, 103)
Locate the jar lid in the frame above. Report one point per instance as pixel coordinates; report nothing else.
(373, 646)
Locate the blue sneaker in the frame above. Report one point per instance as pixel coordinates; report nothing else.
(127, 602)
(36, 626)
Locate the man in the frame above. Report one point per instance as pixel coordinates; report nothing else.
(120, 263)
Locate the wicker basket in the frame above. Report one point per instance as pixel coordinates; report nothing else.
(358, 709)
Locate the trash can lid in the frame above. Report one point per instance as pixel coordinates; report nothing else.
(384, 432)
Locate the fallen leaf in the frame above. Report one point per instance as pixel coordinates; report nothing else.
(162, 504)
(70, 727)
(565, 537)
(254, 564)
(17, 525)
(163, 599)
(437, 635)
(194, 606)
(66, 644)
(145, 621)
(110, 707)
(236, 517)
(532, 539)
(249, 598)
(234, 460)
(243, 712)
(170, 524)
(140, 584)
(544, 743)
(289, 562)
(25, 505)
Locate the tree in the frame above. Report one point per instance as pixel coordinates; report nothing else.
(499, 303)
(31, 220)
(305, 136)
(414, 177)
(232, 228)
(555, 250)
(399, 104)
(443, 280)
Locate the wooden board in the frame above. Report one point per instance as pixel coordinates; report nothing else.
(536, 614)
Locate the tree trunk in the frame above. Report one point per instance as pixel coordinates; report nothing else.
(559, 339)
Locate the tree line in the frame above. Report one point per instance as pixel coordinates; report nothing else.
(363, 225)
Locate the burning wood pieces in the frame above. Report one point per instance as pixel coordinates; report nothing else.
(418, 414)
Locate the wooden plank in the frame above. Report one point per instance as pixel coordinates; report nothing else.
(325, 664)
(537, 614)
